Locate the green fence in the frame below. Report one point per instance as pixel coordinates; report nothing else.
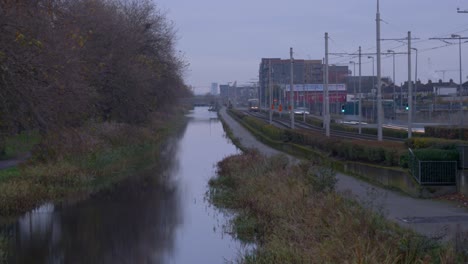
(433, 172)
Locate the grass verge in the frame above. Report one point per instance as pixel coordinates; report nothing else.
(294, 216)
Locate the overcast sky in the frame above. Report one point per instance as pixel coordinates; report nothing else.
(224, 40)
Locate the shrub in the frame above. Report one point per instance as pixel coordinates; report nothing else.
(420, 143)
(436, 154)
(446, 132)
(356, 150)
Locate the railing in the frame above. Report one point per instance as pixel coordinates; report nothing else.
(432, 172)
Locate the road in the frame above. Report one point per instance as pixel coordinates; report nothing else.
(428, 217)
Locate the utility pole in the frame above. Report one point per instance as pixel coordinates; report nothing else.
(394, 92)
(270, 92)
(360, 93)
(415, 82)
(379, 77)
(460, 92)
(291, 89)
(373, 87)
(326, 99)
(460, 89)
(354, 85)
(410, 89)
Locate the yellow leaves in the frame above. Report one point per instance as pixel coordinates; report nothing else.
(23, 40)
(80, 40)
(19, 37)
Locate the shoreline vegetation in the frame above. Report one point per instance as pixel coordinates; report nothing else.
(89, 159)
(91, 88)
(294, 215)
(94, 85)
(96, 157)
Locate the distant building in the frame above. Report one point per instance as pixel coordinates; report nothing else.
(214, 89)
(304, 71)
(237, 95)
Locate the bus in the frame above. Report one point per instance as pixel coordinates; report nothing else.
(253, 105)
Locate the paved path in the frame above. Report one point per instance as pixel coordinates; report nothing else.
(428, 217)
(5, 164)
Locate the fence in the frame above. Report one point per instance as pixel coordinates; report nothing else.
(433, 172)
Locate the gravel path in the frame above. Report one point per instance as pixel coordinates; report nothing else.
(428, 217)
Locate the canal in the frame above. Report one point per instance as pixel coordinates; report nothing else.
(160, 216)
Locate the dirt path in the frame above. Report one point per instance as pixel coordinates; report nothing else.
(428, 217)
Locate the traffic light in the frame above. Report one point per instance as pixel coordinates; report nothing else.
(406, 107)
(343, 109)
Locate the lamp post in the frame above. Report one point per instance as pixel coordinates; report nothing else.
(373, 87)
(460, 94)
(415, 83)
(394, 92)
(354, 86)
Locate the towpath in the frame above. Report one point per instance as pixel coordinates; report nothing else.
(428, 217)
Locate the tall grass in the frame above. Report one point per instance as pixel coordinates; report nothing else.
(80, 161)
(20, 144)
(294, 215)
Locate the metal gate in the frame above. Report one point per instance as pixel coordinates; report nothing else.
(433, 172)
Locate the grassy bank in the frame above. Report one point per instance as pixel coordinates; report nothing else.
(294, 216)
(78, 162)
(17, 146)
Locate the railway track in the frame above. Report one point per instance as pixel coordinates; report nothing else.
(303, 125)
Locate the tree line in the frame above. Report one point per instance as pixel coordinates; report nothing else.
(63, 62)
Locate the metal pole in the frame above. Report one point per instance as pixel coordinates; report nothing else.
(270, 92)
(415, 82)
(360, 93)
(327, 107)
(373, 87)
(303, 102)
(354, 86)
(410, 89)
(291, 89)
(394, 91)
(379, 77)
(323, 95)
(460, 94)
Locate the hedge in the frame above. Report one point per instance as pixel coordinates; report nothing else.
(421, 143)
(436, 154)
(340, 148)
(446, 132)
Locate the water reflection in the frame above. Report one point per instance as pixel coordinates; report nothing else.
(159, 216)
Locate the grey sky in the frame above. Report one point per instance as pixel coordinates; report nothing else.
(224, 40)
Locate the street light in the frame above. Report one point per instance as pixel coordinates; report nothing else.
(394, 93)
(354, 86)
(373, 87)
(460, 94)
(415, 83)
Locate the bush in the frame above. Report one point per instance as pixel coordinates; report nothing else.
(436, 154)
(356, 150)
(446, 132)
(420, 143)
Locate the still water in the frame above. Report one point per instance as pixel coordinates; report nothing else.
(158, 217)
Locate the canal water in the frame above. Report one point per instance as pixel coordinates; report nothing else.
(161, 216)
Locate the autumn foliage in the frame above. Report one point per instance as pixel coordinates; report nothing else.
(64, 62)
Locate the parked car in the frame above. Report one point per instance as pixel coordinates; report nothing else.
(301, 111)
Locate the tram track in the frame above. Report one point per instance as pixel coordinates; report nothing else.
(304, 125)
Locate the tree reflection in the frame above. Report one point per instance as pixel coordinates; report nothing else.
(131, 223)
